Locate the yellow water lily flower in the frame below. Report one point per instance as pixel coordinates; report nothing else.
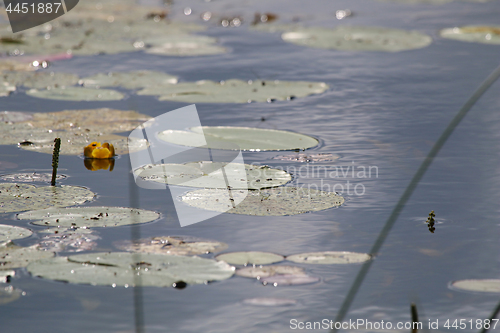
(96, 150)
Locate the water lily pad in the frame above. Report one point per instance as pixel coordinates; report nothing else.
(77, 94)
(13, 256)
(174, 245)
(251, 257)
(68, 241)
(183, 45)
(267, 202)
(9, 294)
(266, 271)
(39, 80)
(129, 80)
(14, 116)
(478, 34)
(329, 257)
(89, 216)
(246, 138)
(10, 232)
(20, 197)
(358, 39)
(30, 177)
(121, 269)
(208, 174)
(268, 301)
(322, 157)
(480, 285)
(235, 91)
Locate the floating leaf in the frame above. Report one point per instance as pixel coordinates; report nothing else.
(174, 245)
(77, 94)
(481, 285)
(208, 174)
(251, 257)
(14, 116)
(246, 138)
(235, 91)
(69, 240)
(129, 80)
(13, 256)
(89, 216)
(267, 301)
(9, 294)
(266, 271)
(478, 34)
(131, 269)
(308, 157)
(329, 257)
(358, 39)
(10, 232)
(39, 80)
(20, 197)
(183, 45)
(31, 177)
(267, 202)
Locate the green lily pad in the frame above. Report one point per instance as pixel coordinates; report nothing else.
(10, 232)
(174, 245)
(131, 269)
(89, 216)
(74, 143)
(308, 157)
(235, 91)
(478, 34)
(30, 177)
(329, 257)
(252, 139)
(6, 88)
(9, 294)
(266, 271)
(251, 257)
(183, 45)
(129, 80)
(480, 285)
(20, 197)
(358, 39)
(69, 240)
(77, 94)
(267, 202)
(208, 174)
(39, 80)
(13, 256)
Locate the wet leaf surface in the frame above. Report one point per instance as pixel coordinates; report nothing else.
(89, 216)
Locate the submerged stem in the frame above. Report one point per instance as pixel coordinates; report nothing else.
(55, 160)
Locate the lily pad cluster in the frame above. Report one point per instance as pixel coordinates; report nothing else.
(76, 128)
(20, 197)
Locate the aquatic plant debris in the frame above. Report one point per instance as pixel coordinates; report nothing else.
(235, 91)
(21, 197)
(174, 245)
(10, 232)
(476, 34)
(329, 257)
(118, 269)
(479, 285)
(234, 138)
(347, 38)
(207, 174)
(277, 201)
(13, 256)
(89, 217)
(68, 240)
(250, 258)
(77, 94)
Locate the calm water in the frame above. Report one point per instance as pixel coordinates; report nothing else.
(382, 110)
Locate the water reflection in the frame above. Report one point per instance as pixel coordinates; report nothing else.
(93, 164)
